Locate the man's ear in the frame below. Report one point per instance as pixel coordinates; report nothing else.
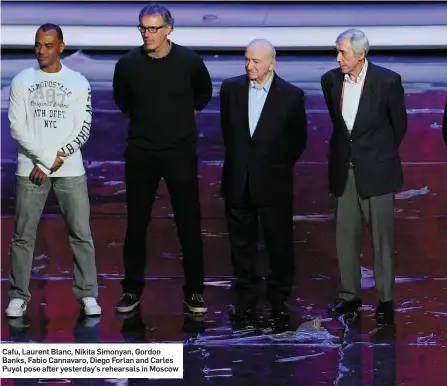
(362, 55)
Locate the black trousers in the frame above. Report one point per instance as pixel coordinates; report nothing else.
(143, 172)
(277, 224)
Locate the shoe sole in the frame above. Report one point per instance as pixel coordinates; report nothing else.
(338, 313)
(124, 310)
(356, 309)
(93, 313)
(196, 310)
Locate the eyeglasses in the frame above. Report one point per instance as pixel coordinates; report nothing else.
(152, 30)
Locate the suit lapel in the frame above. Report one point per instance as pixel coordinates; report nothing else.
(364, 102)
(337, 96)
(243, 102)
(268, 107)
(365, 99)
(338, 90)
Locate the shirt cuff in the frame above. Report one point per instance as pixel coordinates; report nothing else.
(47, 159)
(44, 169)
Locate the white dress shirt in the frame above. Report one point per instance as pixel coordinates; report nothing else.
(352, 90)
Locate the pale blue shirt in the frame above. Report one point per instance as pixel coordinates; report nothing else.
(256, 100)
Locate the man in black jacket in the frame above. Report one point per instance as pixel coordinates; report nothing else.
(366, 106)
(264, 129)
(161, 86)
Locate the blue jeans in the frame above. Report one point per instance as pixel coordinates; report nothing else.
(72, 195)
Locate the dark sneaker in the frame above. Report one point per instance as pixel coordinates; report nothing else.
(128, 302)
(195, 304)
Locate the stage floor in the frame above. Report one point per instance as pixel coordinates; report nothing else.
(214, 353)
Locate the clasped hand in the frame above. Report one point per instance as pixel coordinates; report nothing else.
(38, 176)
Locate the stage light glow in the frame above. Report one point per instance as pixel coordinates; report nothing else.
(225, 38)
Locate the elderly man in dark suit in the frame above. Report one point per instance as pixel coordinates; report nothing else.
(366, 106)
(264, 128)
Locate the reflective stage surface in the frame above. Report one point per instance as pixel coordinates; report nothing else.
(341, 352)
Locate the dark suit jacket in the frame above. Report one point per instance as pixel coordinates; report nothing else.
(373, 145)
(444, 124)
(265, 160)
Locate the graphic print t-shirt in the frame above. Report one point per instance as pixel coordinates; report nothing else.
(50, 112)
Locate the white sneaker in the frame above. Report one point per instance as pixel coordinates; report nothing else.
(16, 308)
(90, 306)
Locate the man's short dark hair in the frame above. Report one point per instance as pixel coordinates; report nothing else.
(51, 27)
(158, 9)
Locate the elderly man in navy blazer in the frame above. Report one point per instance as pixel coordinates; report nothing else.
(367, 109)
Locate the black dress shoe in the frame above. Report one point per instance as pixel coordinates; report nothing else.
(385, 313)
(279, 321)
(342, 306)
(242, 314)
(272, 322)
(243, 319)
(280, 313)
(279, 310)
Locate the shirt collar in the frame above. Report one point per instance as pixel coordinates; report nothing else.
(361, 75)
(266, 86)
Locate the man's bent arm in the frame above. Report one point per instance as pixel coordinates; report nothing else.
(120, 89)
(397, 110)
(19, 127)
(82, 122)
(298, 129)
(203, 87)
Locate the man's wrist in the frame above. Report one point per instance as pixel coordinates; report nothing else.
(44, 169)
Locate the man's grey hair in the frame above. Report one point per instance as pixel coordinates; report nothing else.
(263, 43)
(358, 39)
(157, 9)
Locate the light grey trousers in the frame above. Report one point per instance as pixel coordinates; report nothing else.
(72, 195)
(379, 214)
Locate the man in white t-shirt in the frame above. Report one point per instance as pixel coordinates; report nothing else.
(50, 117)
